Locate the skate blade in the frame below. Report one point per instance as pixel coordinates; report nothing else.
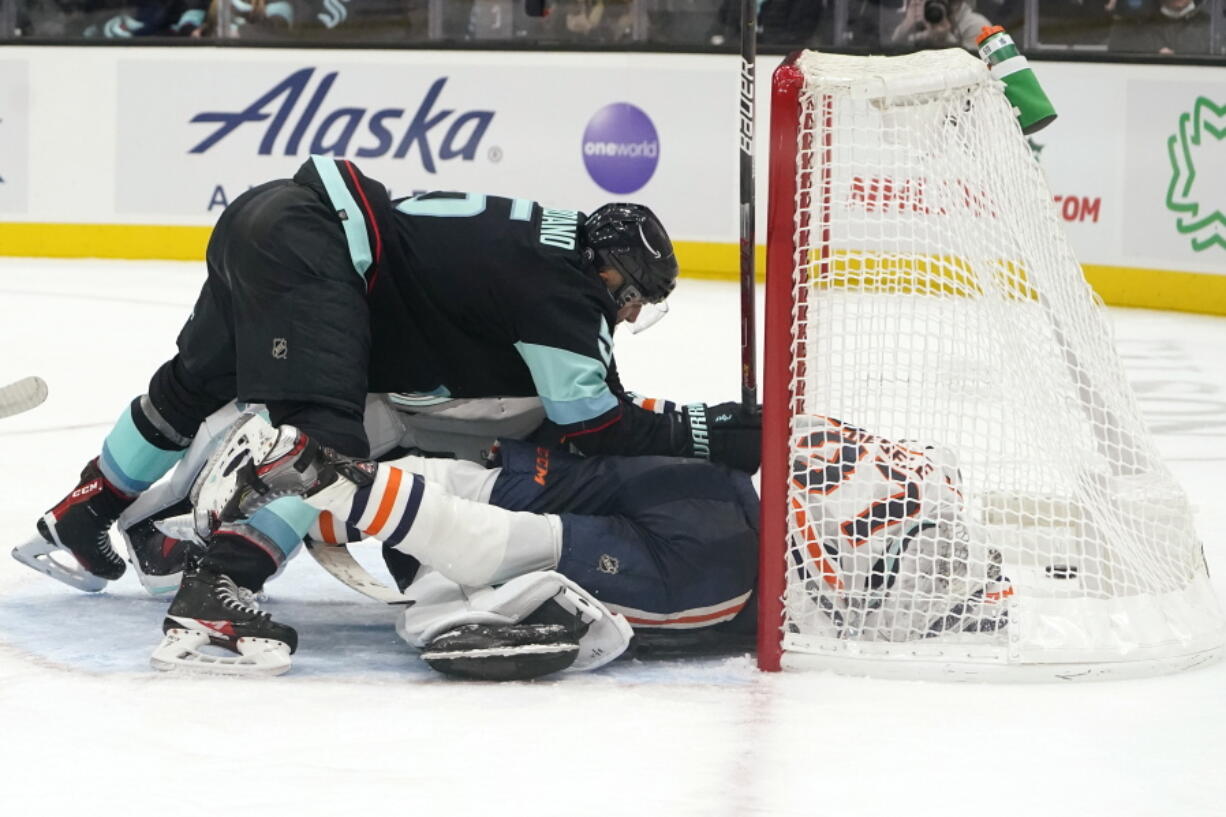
(38, 554)
(180, 653)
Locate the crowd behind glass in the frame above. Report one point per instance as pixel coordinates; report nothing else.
(1136, 27)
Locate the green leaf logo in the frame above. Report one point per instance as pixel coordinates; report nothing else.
(1197, 195)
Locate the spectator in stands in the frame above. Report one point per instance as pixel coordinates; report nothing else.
(684, 22)
(254, 19)
(598, 21)
(1010, 14)
(938, 24)
(120, 20)
(726, 27)
(789, 22)
(324, 21)
(1174, 27)
(1074, 22)
(792, 23)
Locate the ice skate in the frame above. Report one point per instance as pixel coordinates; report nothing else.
(258, 463)
(210, 609)
(79, 527)
(160, 548)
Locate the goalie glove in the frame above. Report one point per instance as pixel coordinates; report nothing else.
(880, 536)
(725, 433)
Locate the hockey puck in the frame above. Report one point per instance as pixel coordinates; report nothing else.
(1061, 571)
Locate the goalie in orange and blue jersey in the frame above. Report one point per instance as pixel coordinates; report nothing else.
(545, 557)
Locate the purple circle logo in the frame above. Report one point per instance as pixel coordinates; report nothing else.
(621, 148)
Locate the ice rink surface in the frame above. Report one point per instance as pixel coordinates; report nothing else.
(360, 727)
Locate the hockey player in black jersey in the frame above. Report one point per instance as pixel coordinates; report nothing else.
(321, 288)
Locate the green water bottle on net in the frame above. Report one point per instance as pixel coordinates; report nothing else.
(1034, 110)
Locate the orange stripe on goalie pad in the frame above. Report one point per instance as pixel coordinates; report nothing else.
(327, 527)
(387, 501)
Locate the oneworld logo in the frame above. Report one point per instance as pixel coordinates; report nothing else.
(311, 124)
(621, 148)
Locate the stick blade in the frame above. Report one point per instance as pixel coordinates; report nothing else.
(22, 395)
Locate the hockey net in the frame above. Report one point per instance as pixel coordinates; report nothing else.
(956, 479)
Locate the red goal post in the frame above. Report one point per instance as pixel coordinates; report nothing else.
(781, 266)
(933, 352)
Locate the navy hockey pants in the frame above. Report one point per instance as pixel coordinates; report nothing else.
(666, 541)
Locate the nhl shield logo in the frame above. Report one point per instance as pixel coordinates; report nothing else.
(280, 348)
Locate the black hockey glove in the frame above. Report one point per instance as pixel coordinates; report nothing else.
(726, 434)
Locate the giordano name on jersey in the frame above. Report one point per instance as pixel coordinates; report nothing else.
(559, 228)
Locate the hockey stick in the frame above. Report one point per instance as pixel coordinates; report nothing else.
(337, 560)
(749, 339)
(22, 395)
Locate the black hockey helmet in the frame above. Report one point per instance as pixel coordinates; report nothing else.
(630, 239)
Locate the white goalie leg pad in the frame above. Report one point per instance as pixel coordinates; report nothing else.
(441, 605)
(181, 652)
(384, 429)
(461, 478)
(171, 491)
(475, 544)
(167, 493)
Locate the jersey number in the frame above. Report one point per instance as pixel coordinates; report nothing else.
(461, 206)
(471, 204)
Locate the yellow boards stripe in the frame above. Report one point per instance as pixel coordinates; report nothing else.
(1119, 286)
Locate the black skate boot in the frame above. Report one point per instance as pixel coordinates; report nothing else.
(159, 552)
(80, 525)
(211, 609)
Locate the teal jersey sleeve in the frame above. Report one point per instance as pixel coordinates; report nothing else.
(573, 386)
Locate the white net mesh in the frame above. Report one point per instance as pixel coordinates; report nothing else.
(971, 479)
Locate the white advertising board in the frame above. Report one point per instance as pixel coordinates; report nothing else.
(1111, 161)
(165, 136)
(574, 131)
(14, 135)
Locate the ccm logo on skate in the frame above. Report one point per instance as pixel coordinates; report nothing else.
(347, 130)
(542, 466)
(85, 490)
